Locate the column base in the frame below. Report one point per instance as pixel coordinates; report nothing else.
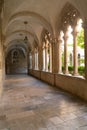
(66, 72)
(60, 72)
(75, 74)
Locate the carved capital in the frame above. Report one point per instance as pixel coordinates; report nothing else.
(54, 40)
(59, 41)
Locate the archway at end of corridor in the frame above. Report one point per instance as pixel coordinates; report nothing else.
(16, 61)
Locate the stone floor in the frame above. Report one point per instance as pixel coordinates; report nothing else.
(30, 104)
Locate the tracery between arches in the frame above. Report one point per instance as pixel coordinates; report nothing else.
(47, 51)
(72, 56)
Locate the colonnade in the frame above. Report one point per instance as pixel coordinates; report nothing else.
(49, 59)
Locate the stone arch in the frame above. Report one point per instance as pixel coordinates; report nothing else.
(70, 23)
(21, 32)
(11, 45)
(38, 17)
(45, 32)
(35, 44)
(46, 46)
(69, 13)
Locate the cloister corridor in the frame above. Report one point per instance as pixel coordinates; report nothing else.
(30, 104)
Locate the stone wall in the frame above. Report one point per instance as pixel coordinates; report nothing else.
(34, 73)
(74, 85)
(44, 76)
(47, 77)
(18, 66)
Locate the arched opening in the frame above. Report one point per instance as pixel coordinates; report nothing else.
(72, 42)
(80, 49)
(16, 61)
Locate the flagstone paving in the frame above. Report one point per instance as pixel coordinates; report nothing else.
(30, 104)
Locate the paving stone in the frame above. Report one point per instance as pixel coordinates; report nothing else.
(5, 129)
(2, 117)
(82, 128)
(20, 115)
(42, 129)
(30, 104)
(56, 120)
(67, 117)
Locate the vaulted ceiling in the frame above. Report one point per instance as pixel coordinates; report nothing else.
(40, 14)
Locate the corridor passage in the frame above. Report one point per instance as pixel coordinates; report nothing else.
(30, 104)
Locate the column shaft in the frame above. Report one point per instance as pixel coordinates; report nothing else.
(40, 58)
(55, 56)
(75, 55)
(46, 64)
(85, 40)
(50, 58)
(60, 56)
(33, 60)
(66, 55)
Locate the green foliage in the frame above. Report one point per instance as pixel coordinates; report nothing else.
(70, 68)
(62, 68)
(80, 39)
(82, 61)
(81, 70)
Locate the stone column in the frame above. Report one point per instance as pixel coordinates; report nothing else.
(55, 55)
(28, 62)
(50, 53)
(2, 63)
(33, 59)
(37, 60)
(75, 54)
(65, 54)
(85, 40)
(43, 58)
(2, 50)
(46, 54)
(2, 56)
(59, 56)
(40, 58)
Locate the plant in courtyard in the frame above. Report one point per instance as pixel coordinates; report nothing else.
(80, 39)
